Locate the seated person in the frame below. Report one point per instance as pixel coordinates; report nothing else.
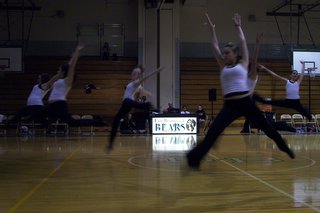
(201, 114)
(140, 116)
(184, 110)
(171, 109)
(267, 107)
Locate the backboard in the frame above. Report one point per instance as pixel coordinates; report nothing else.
(11, 59)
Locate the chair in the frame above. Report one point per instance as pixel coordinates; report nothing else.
(26, 125)
(91, 127)
(78, 129)
(8, 123)
(59, 126)
(312, 125)
(317, 119)
(203, 125)
(298, 121)
(207, 124)
(286, 118)
(3, 124)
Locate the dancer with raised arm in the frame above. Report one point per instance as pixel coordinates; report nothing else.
(129, 102)
(292, 99)
(58, 107)
(253, 76)
(252, 82)
(233, 76)
(35, 99)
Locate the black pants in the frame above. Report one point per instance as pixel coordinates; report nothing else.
(125, 108)
(283, 126)
(139, 119)
(232, 110)
(278, 125)
(246, 126)
(287, 103)
(27, 111)
(59, 110)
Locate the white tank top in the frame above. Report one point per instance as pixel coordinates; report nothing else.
(234, 79)
(131, 89)
(59, 91)
(36, 96)
(292, 90)
(252, 84)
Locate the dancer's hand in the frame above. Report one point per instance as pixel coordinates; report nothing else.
(209, 21)
(79, 47)
(237, 20)
(160, 69)
(261, 67)
(259, 37)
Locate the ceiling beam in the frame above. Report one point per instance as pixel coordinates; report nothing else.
(311, 6)
(302, 8)
(283, 14)
(31, 8)
(281, 5)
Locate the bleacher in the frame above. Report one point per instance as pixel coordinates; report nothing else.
(200, 75)
(111, 77)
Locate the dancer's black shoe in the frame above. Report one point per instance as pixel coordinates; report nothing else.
(284, 147)
(246, 132)
(289, 152)
(108, 148)
(192, 163)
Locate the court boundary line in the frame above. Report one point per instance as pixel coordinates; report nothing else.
(130, 161)
(265, 183)
(43, 181)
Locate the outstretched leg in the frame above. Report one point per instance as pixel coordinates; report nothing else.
(283, 126)
(254, 114)
(123, 111)
(287, 103)
(295, 104)
(246, 127)
(226, 116)
(125, 108)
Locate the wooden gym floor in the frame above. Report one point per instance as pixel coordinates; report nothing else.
(245, 173)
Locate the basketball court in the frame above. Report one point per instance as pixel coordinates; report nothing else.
(144, 173)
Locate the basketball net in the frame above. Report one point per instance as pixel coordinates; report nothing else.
(312, 72)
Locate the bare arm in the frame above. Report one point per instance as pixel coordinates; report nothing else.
(149, 75)
(243, 42)
(49, 84)
(272, 73)
(254, 63)
(144, 92)
(72, 64)
(302, 72)
(215, 43)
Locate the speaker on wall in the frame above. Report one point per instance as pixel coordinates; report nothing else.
(212, 95)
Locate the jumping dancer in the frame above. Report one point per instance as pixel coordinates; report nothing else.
(58, 107)
(252, 76)
(129, 101)
(35, 100)
(233, 76)
(292, 92)
(252, 82)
